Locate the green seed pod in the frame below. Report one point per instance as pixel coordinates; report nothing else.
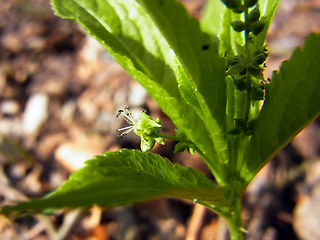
(232, 4)
(241, 83)
(257, 27)
(250, 3)
(249, 130)
(239, 9)
(238, 25)
(254, 15)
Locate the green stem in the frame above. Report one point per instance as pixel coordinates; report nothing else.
(248, 102)
(234, 222)
(247, 30)
(232, 218)
(248, 76)
(175, 138)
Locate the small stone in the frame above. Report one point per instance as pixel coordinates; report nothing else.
(9, 107)
(35, 114)
(137, 95)
(72, 155)
(12, 42)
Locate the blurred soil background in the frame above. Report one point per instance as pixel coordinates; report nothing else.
(59, 94)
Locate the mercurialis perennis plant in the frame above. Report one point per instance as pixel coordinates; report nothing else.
(207, 76)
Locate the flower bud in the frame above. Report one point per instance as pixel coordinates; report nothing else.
(257, 27)
(241, 83)
(254, 15)
(183, 144)
(232, 4)
(257, 92)
(239, 9)
(238, 25)
(250, 3)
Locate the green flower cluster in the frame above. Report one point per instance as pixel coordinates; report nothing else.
(246, 68)
(145, 127)
(149, 132)
(239, 66)
(253, 24)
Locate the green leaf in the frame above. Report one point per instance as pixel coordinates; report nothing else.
(201, 71)
(267, 9)
(212, 18)
(125, 177)
(162, 48)
(216, 21)
(292, 101)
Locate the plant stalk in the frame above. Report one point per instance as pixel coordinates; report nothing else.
(232, 216)
(234, 222)
(248, 75)
(175, 138)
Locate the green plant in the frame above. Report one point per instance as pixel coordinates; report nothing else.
(207, 77)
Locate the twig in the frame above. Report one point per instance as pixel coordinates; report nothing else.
(195, 222)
